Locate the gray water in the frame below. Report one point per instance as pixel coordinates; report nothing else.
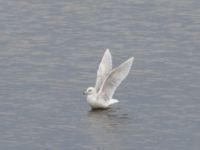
(49, 53)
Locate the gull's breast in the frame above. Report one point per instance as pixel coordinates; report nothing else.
(94, 103)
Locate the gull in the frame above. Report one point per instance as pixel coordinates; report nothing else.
(108, 79)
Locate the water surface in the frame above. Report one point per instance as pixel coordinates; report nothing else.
(49, 53)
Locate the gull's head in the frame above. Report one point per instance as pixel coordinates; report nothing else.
(89, 91)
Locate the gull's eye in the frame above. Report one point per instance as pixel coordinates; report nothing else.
(90, 90)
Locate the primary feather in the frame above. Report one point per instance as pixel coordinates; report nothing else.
(104, 69)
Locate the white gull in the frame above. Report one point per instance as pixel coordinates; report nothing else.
(108, 79)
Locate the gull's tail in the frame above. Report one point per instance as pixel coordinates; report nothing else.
(112, 101)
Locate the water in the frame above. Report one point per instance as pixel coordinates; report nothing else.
(49, 53)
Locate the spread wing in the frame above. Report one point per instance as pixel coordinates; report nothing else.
(104, 69)
(114, 79)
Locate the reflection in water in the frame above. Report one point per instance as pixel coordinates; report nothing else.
(105, 126)
(109, 118)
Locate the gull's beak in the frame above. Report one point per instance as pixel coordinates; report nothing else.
(85, 93)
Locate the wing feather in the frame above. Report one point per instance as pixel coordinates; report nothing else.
(114, 79)
(104, 69)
